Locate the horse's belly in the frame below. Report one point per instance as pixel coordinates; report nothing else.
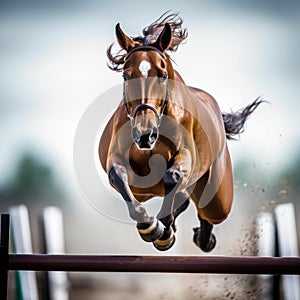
(144, 194)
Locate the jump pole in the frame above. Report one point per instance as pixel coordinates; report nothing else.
(156, 264)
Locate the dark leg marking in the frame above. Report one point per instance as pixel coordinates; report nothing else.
(148, 227)
(172, 180)
(181, 203)
(203, 236)
(150, 232)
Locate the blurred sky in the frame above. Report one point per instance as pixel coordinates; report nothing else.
(53, 65)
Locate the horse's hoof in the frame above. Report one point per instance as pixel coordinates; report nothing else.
(165, 242)
(151, 232)
(211, 244)
(204, 246)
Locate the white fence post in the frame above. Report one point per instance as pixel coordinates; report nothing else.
(288, 246)
(265, 230)
(22, 244)
(55, 244)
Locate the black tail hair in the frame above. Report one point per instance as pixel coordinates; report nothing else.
(234, 122)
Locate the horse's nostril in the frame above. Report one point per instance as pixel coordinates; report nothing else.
(146, 139)
(136, 133)
(153, 135)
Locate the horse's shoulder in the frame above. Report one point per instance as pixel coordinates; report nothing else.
(113, 125)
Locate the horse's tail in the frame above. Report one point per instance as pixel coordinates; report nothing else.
(234, 122)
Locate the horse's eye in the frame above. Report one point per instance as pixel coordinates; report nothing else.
(164, 77)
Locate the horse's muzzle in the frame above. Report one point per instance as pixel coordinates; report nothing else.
(145, 140)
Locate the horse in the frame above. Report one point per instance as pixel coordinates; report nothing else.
(167, 139)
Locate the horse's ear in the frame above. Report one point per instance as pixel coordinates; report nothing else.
(124, 40)
(163, 42)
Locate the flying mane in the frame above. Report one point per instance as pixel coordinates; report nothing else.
(150, 34)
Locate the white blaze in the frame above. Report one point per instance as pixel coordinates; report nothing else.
(144, 68)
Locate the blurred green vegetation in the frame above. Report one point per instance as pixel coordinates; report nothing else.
(32, 178)
(35, 179)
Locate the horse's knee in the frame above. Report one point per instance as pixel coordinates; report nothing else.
(172, 178)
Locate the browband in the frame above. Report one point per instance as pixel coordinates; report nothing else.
(145, 48)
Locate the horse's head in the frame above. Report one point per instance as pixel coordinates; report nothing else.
(146, 90)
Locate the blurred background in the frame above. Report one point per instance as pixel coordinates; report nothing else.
(53, 65)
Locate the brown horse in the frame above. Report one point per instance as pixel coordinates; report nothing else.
(167, 139)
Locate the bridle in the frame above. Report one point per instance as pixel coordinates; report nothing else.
(145, 105)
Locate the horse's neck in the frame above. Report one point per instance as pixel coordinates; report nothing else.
(173, 74)
(177, 77)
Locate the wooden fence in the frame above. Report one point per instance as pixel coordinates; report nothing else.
(155, 264)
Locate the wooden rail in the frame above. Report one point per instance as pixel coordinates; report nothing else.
(155, 264)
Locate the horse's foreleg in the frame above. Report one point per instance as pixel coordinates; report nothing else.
(172, 180)
(149, 228)
(181, 203)
(174, 203)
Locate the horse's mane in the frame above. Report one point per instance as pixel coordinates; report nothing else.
(150, 34)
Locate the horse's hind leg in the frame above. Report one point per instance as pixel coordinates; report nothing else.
(203, 236)
(215, 210)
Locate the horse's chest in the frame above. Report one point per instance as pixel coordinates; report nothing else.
(144, 162)
(146, 168)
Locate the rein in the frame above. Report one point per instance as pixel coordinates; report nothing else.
(145, 105)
